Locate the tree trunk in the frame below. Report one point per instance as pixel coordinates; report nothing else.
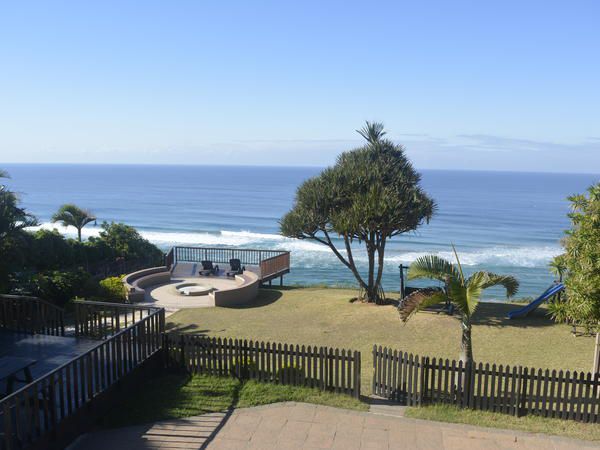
(596, 366)
(372, 296)
(466, 346)
(79, 234)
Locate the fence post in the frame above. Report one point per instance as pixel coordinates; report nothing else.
(424, 379)
(182, 349)
(357, 367)
(518, 389)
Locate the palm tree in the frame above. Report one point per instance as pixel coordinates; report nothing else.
(13, 218)
(463, 293)
(73, 215)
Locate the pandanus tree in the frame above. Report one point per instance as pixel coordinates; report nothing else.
(72, 215)
(370, 195)
(464, 293)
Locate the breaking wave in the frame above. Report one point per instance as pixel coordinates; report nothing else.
(311, 254)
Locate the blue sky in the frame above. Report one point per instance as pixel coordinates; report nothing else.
(464, 85)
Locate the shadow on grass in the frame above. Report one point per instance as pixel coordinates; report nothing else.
(265, 297)
(176, 395)
(495, 314)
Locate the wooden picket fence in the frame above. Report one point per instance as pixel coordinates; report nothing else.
(319, 367)
(414, 380)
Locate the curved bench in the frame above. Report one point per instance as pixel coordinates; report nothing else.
(244, 293)
(136, 282)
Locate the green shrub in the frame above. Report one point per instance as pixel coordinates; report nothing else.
(290, 372)
(60, 287)
(112, 289)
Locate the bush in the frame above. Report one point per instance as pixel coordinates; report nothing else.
(60, 287)
(118, 240)
(112, 289)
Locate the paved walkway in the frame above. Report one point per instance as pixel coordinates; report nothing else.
(298, 425)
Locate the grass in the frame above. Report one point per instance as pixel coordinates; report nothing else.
(318, 316)
(534, 424)
(176, 395)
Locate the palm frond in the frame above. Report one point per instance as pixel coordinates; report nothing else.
(462, 275)
(372, 132)
(433, 267)
(483, 280)
(420, 299)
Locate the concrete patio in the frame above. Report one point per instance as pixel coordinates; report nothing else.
(298, 425)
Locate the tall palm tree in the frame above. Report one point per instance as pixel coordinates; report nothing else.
(463, 293)
(73, 215)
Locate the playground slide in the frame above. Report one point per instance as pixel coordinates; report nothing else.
(525, 310)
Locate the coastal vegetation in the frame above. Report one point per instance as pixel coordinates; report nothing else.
(464, 293)
(370, 195)
(47, 264)
(580, 266)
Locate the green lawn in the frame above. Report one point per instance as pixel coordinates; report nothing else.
(320, 316)
(533, 424)
(175, 395)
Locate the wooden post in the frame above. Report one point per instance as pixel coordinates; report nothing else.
(596, 366)
(401, 281)
(182, 347)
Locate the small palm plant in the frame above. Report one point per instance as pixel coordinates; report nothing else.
(463, 293)
(73, 215)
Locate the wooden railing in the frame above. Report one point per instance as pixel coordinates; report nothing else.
(223, 255)
(99, 320)
(31, 315)
(516, 390)
(41, 411)
(170, 259)
(274, 266)
(320, 367)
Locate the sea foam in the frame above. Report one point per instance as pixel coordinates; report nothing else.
(310, 254)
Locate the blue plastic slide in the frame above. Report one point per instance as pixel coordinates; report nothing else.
(525, 310)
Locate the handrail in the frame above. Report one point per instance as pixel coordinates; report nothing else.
(33, 298)
(31, 315)
(235, 249)
(115, 305)
(100, 320)
(224, 254)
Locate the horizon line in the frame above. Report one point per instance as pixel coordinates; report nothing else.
(290, 166)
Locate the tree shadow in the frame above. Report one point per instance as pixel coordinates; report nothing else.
(496, 315)
(176, 326)
(265, 297)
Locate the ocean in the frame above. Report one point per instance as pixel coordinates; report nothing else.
(509, 223)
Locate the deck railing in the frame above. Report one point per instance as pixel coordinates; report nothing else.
(99, 320)
(272, 263)
(42, 411)
(31, 315)
(275, 265)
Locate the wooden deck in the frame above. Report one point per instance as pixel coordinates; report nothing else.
(49, 352)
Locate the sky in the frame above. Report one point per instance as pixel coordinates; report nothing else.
(497, 85)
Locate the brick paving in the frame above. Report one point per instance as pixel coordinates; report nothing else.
(303, 426)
